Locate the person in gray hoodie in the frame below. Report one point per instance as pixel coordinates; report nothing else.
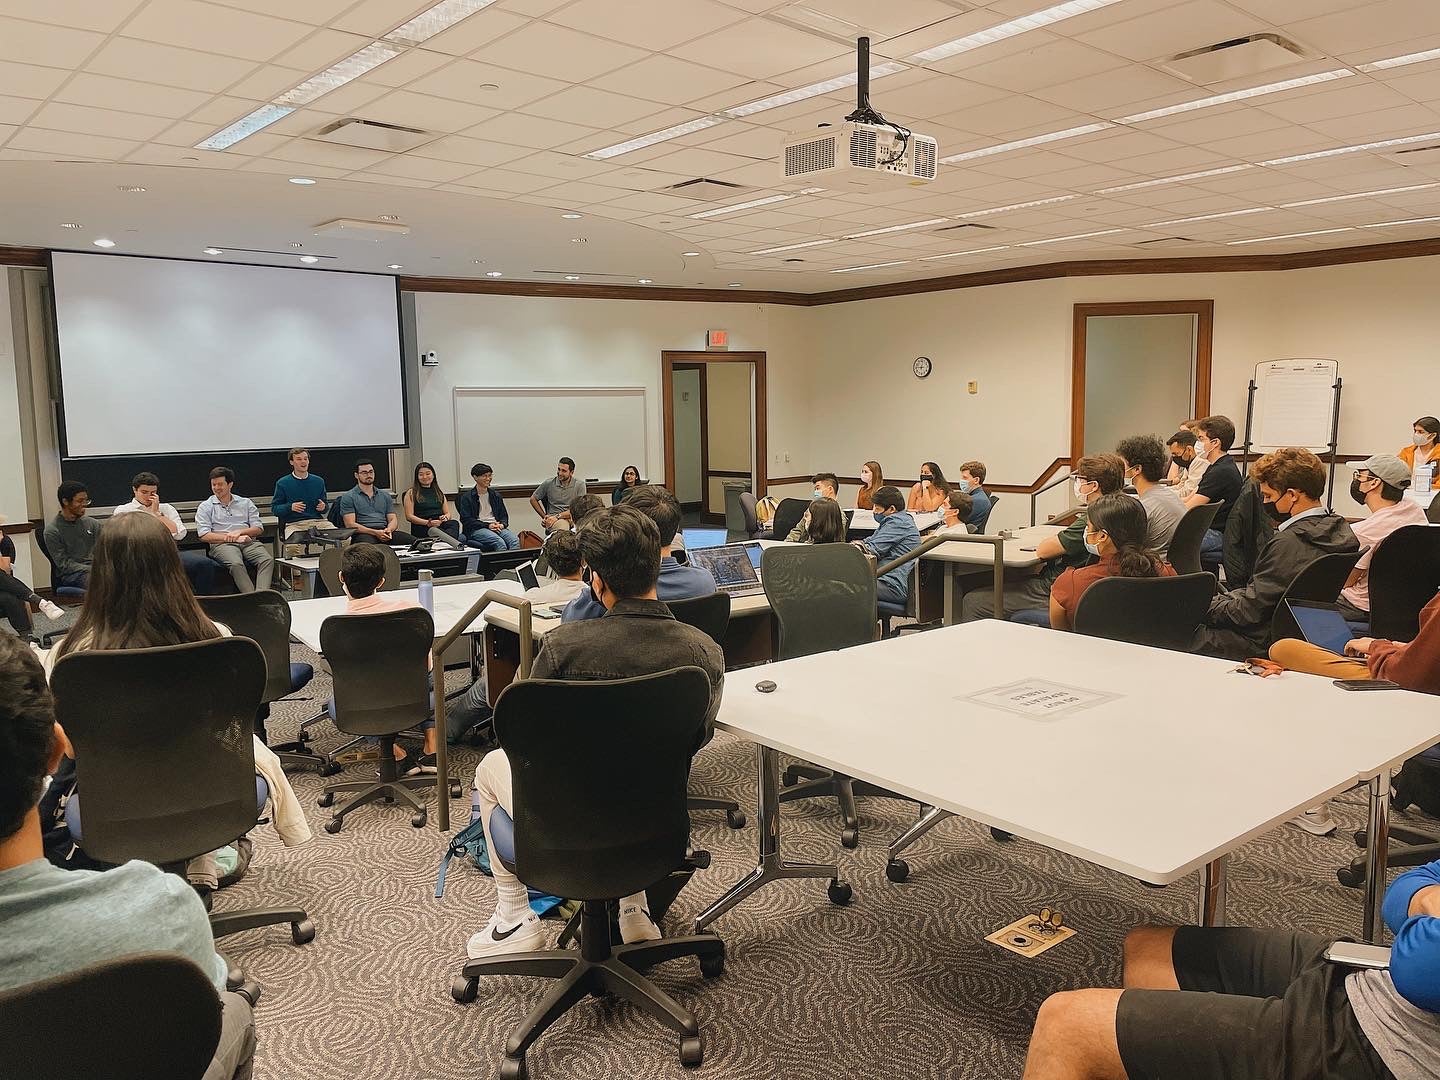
(1291, 482)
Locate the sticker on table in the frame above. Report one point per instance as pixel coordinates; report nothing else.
(1032, 935)
(1039, 699)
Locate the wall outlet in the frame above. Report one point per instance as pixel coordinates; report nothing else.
(974, 387)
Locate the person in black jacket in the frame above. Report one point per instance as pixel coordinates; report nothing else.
(484, 521)
(1291, 481)
(1247, 532)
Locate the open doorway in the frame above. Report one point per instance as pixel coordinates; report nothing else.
(714, 423)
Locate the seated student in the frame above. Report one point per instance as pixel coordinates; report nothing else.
(676, 581)
(929, 493)
(872, 479)
(958, 510)
(299, 500)
(58, 921)
(1145, 462)
(895, 535)
(636, 636)
(630, 478)
(827, 523)
(199, 567)
(583, 507)
(1219, 483)
(1379, 485)
(1222, 1003)
(16, 597)
(1424, 447)
(562, 552)
(427, 508)
(230, 524)
(1116, 533)
(1291, 482)
(1094, 475)
(70, 536)
(824, 485)
(484, 521)
(1186, 467)
(972, 483)
(552, 499)
(370, 511)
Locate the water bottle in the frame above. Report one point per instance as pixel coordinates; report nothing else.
(427, 591)
(1423, 478)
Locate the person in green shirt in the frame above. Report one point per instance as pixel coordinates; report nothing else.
(427, 508)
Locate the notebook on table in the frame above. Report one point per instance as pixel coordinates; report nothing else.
(734, 573)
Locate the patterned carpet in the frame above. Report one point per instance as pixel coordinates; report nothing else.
(898, 984)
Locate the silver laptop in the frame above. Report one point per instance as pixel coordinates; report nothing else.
(734, 572)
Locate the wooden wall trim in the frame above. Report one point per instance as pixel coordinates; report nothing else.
(602, 292)
(22, 256)
(728, 474)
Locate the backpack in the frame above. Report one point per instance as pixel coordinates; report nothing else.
(470, 842)
(765, 511)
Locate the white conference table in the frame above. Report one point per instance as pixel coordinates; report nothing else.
(309, 565)
(451, 603)
(973, 551)
(1237, 754)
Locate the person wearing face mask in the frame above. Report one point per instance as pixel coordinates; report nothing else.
(929, 494)
(1291, 481)
(1186, 467)
(1115, 534)
(1379, 485)
(1144, 467)
(826, 485)
(872, 479)
(895, 535)
(1220, 483)
(958, 510)
(972, 483)
(1424, 448)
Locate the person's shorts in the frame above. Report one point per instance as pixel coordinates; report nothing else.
(1252, 1005)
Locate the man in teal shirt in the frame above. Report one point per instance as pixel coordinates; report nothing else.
(299, 500)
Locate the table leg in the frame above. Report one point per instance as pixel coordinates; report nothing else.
(307, 590)
(949, 585)
(1214, 885)
(1378, 856)
(770, 866)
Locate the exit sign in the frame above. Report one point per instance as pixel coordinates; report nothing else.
(717, 339)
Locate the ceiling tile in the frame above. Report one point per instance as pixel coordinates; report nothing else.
(102, 15)
(182, 67)
(372, 18)
(353, 97)
(106, 92)
(181, 158)
(559, 166)
(596, 108)
(86, 120)
(1384, 124)
(470, 151)
(408, 66)
(667, 80)
(1423, 85)
(1348, 100)
(69, 144)
(1192, 25)
(425, 112)
(1108, 91)
(267, 83)
(194, 25)
(937, 95)
(1007, 115)
(461, 81)
(321, 49)
(475, 32)
(340, 158)
(760, 49)
(184, 134)
(313, 12)
(656, 25)
(282, 168)
(558, 52)
(417, 168)
(1383, 23)
(51, 46)
(14, 110)
(509, 183)
(532, 131)
(1208, 125)
(223, 110)
(1043, 65)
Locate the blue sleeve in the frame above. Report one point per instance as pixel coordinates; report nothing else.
(1396, 908)
(584, 606)
(497, 507)
(345, 505)
(468, 511)
(279, 504)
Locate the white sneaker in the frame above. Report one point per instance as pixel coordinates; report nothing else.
(1316, 821)
(636, 925)
(51, 610)
(495, 940)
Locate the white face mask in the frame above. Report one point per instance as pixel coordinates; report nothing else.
(1421, 440)
(865, 477)
(1080, 486)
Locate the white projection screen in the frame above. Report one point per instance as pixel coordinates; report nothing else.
(165, 356)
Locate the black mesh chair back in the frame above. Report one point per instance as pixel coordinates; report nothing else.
(1404, 577)
(330, 569)
(787, 516)
(1184, 552)
(1320, 583)
(752, 520)
(379, 667)
(1432, 512)
(1163, 612)
(985, 521)
(823, 597)
(600, 772)
(264, 618)
(142, 1016)
(708, 614)
(163, 745)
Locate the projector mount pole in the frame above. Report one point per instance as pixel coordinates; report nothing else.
(863, 113)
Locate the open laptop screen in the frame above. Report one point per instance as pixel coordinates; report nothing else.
(730, 565)
(1321, 624)
(703, 538)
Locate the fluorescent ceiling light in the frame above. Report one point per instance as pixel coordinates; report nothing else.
(572, 217)
(442, 16)
(790, 97)
(1175, 179)
(719, 211)
(869, 266)
(1076, 236)
(642, 141)
(246, 126)
(793, 247)
(690, 254)
(1206, 217)
(898, 228)
(1406, 221)
(494, 273)
(1292, 236)
(1335, 151)
(103, 242)
(213, 251)
(733, 285)
(645, 281)
(1034, 140)
(1401, 61)
(1359, 195)
(1015, 206)
(1010, 29)
(972, 251)
(1237, 95)
(302, 180)
(395, 266)
(309, 258)
(337, 75)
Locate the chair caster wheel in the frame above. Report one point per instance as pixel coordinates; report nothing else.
(850, 837)
(897, 870)
(735, 818)
(840, 892)
(513, 1068)
(1000, 836)
(464, 988)
(333, 826)
(1362, 838)
(712, 967)
(302, 932)
(330, 768)
(418, 820)
(455, 791)
(692, 1051)
(326, 799)
(1350, 877)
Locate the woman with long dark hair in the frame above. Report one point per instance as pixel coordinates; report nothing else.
(1115, 531)
(932, 490)
(1424, 445)
(630, 478)
(872, 479)
(827, 523)
(427, 508)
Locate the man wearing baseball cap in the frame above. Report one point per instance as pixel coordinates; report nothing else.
(1380, 482)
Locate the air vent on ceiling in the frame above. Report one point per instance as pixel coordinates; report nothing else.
(1164, 241)
(964, 225)
(373, 135)
(704, 189)
(1419, 155)
(1235, 59)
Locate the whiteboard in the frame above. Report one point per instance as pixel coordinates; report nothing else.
(1296, 403)
(523, 431)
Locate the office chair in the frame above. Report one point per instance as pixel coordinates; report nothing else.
(753, 531)
(1184, 552)
(1432, 512)
(378, 663)
(84, 1024)
(1163, 612)
(164, 764)
(1319, 583)
(710, 615)
(787, 516)
(1418, 781)
(64, 594)
(264, 618)
(985, 521)
(330, 569)
(909, 610)
(599, 814)
(1403, 577)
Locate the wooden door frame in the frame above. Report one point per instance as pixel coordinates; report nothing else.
(1203, 310)
(704, 433)
(669, 361)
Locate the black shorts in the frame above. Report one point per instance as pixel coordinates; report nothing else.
(1252, 1005)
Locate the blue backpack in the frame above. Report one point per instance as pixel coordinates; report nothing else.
(470, 842)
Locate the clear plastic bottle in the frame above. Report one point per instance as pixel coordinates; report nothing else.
(427, 591)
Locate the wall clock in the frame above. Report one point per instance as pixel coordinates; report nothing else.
(922, 367)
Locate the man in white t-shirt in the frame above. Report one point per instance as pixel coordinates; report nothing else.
(199, 567)
(1379, 484)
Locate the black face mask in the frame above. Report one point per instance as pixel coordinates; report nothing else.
(1274, 513)
(1356, 493)
(1180, 462)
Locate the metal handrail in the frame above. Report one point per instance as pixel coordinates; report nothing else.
(1035, 495)
(438, 650)
(997, 542)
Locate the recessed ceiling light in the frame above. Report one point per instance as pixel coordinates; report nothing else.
(1076, 236)
(1004, 30)
(1020, 144)
(719, 211)
(646, 281)
(572, 277)
(1206, 217)
(1237, 95)
(301, 180)
(733, 285)
(579, 240)
(104, 243)
(897, 228)
(1334, 151)
(1015, 206)
(478, 262)
(213, 251)
(1405, 221)
(868, 266)
(1174, 179)
(572, 217)
(434, 19)
(793, 247)
(71, 225)
(1292, 236)
(690, 254)
(972, 251)
(1401, 61)
(309, 258)
(396, 266)
(130, 189)
(654, 137)
(488, 87)
(296, 244)
(388, 217)
(493, 273)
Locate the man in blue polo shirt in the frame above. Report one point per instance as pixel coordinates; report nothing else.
(230, 524)
(370, 511)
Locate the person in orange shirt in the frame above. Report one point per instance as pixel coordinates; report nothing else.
(872, 479)
(932, 490)
(1424, 446)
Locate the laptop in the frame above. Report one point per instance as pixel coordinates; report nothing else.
(526, 573)
(697, 537)
(1321, 625)
(754, 550)
(734, 573)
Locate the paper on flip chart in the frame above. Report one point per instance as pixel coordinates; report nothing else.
(1039, 699)
(1297, 398)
